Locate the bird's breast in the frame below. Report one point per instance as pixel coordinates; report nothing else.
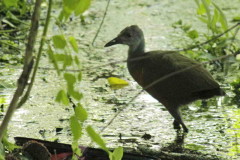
(136, 71)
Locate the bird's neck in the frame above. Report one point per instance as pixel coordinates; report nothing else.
(136, 50)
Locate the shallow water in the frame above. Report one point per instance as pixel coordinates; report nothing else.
(211, 127)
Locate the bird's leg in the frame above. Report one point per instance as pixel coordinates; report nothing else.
(174, 111)
(176, 125)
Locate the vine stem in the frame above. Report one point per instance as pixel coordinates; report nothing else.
(100, 26)
(25, 97)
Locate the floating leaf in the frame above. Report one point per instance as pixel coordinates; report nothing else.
(76, 128)
(96, 138)
(59, 41)
(73, 43)
(117, 83)
(80, 112)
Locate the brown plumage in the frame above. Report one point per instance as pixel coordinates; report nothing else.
(148, 67)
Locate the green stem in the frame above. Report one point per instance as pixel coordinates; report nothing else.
(25, 97)
(28, 63)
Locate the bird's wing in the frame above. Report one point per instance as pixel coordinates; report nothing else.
(163, 63)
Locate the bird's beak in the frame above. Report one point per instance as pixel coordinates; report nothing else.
(113, 42)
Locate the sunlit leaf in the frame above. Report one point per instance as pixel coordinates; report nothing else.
(215, 19)
(76, 128)
(10, 3)
(71, 4)
(96, 138)
(118, 153)
(76, 148)
(236, 19)
(75, 94)
(222, 18)
(64, 14)
(238, 57)
(82, 6)
(59, 41)
(2, 100)
(208, 12)
(62, 97)
(80, 113)
(60, 57)
(8, 22)
(68, 60)
(117, 83)
(76, 60)
(73, 43)
(7, 144)
(70, 78)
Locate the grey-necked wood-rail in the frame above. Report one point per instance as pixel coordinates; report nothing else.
(184, 87)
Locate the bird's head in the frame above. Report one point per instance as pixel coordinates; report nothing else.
(131, 36)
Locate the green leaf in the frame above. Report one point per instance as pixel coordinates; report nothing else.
(70, 78)
(193, 34)
(71, 4)
(10, 3)
(236, 19)
(96, 138)
(75, 94)
(60, 57)
(68, 60)
(59, 41)
(117, 83)
(80, 112)
(118, 153)
(64, 14)
(2, 100)
(77, 60)
(7, 144)
(206, 7)
(73, 43)
(62, 97)
(215, 20)
(76, 128)
(2, 151)
(76, 148)
(82, 6)
(222, 18)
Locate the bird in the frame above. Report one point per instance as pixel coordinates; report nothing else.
(189, 80)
